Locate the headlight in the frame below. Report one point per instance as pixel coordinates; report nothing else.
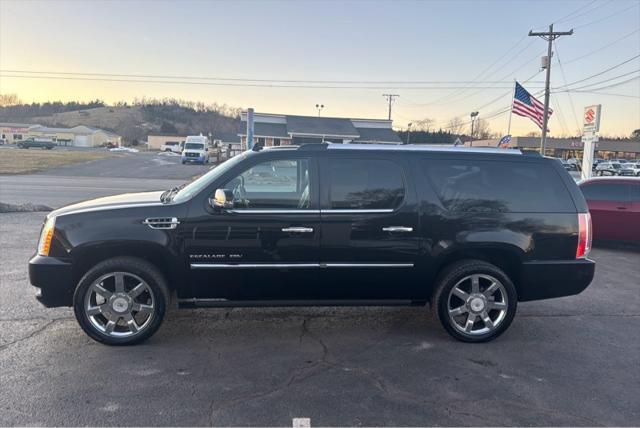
(46, 237)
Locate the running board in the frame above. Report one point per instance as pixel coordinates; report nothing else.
(224, 303)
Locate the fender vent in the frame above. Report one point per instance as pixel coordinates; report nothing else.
(162, 222)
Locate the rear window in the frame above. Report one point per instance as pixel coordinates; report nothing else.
(498, 186)
(606, 192)
(364, 184)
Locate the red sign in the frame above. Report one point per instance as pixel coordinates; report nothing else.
(589, 115)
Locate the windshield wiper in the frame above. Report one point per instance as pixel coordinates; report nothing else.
(168, 194)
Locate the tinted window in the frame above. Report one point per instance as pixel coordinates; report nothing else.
(277, 184)
(364, 184)
(605, 191)
(498, 186)
(635, 192)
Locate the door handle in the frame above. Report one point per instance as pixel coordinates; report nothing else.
(397, 229)
(621, 208)
(297, 229)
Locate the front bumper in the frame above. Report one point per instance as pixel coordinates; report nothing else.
(54, 279)
(194, 159)
(557, 278)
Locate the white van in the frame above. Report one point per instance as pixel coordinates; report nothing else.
(196, 149)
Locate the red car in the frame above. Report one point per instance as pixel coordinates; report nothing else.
(614, 203)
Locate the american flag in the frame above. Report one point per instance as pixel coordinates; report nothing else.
(524, 104)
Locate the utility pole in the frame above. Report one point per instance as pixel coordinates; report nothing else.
(474, 115)
(549, 37)
(409, 132)
(390, 98)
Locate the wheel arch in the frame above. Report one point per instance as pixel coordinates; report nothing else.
(507, 257)
(85, 258)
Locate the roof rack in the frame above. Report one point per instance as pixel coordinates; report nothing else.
(424, 148)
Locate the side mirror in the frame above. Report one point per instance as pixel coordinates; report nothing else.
(223, 199)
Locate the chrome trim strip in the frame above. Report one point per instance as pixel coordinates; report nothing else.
(356, 211)
(297, 265)
(297, 229)
(253, 265)
(397, 229)
(367, 265)
(158, 223)
(268, 211)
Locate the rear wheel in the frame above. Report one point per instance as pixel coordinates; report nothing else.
(475, 301)
(121, 301)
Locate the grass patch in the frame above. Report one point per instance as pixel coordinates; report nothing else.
(17, 161)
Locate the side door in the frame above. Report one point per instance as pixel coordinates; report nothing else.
(266, 246)
(610, 209)
(634, 211)
(369, 245)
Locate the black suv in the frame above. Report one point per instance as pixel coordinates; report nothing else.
(473, 231)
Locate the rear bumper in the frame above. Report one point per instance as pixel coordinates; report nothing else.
(549, 279)
(54, 279)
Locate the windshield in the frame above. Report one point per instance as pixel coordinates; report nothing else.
(615, 165)
(197, 185)
(194, 146)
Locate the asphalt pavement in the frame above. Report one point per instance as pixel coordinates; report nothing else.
(571, 361)
(145, 165)
(129, 172)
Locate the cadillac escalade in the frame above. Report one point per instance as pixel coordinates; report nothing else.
(469, 231)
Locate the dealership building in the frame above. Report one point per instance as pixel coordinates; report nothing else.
(282, 129)
(572, 147)
(78, 136)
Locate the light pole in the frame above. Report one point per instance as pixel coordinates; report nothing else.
(474, 115)
(319, 107)
(408, 132)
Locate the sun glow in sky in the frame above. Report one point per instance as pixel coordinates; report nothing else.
(359, 42)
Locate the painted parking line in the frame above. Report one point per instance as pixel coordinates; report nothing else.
(301, 422)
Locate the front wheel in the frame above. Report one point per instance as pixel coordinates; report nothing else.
(475, 301)
(121, 301)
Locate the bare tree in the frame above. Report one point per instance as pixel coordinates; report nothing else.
(481, 130)
(7, 100)
(455, 126)
(423, 125)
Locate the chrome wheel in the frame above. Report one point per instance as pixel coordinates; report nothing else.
(119, 304)
(477, 304)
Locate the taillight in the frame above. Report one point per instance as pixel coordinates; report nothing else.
(584, 235)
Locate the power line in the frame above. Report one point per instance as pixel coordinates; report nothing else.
(564, 79)
(600, 93)
(602, 47)
(248, 85)
(581, 8)
(482, 73)
(248, 80)
(613, 85)
(606, 17)
(604, 71)
(605, 80)
(585, 11)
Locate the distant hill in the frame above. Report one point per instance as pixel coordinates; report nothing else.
(133, 122)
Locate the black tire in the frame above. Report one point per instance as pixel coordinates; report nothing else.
(450, 277)
(157, 289)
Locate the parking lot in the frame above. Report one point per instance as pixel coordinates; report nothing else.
(571, 361)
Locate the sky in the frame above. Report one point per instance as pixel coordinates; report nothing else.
(463, 56)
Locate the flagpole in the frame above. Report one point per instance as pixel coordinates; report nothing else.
(511, 111)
